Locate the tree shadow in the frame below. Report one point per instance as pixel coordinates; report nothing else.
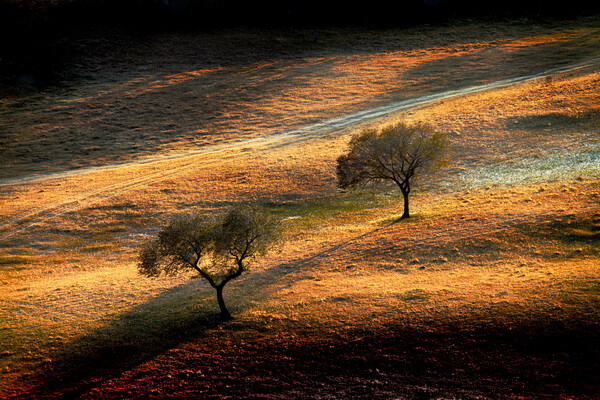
(176, 316)
(310, 260)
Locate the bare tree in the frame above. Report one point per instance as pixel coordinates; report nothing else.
(397, 153)
(219, 250)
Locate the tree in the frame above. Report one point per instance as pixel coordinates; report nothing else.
(219, 250)
(397, 153)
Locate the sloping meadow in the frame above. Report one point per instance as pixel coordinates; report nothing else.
(501, 253)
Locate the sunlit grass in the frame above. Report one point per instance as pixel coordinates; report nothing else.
(314, 212)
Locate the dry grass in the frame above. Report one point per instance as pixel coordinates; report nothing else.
(210, 89)
(507, 236)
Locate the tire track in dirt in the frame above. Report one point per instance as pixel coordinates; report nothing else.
(28, 219)
(319, 127)
(231, 151)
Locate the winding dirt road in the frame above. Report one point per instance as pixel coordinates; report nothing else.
(145, 172)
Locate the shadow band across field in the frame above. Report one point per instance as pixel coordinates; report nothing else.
(531, 359)
(140, 334)
(498, 351)
(177, 316)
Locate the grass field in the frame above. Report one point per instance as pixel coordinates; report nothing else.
(491, 290)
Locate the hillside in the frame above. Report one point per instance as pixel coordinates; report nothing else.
(489, 291)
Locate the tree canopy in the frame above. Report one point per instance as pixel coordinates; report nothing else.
(218, 249)
(397, 153)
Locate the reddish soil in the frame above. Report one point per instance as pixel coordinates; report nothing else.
(537, 360)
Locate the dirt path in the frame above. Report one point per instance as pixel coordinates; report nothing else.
(313, 130)
(148, 171)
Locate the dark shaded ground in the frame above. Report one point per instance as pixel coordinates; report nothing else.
(545, 357)
(41, 40)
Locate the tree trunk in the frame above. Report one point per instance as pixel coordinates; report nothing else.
(225, 315)
(406, 212)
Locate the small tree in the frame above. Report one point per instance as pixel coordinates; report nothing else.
(219, 250)
(396, 153)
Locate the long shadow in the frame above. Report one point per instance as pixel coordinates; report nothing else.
(138, 335)
(186, 312)
(310, 260)
(178, 315)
